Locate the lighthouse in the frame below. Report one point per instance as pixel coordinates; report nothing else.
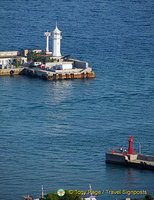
(47, 35)
(56, 42)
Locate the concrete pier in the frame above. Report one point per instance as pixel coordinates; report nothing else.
(59, 74)
(135, 160)
(60, 70)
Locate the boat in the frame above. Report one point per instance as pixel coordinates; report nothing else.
(27, 197)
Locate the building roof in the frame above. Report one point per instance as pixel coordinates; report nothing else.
(15, 56)
(56, 30)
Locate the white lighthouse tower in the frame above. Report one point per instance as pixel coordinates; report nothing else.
(56, 42)
(47, 35)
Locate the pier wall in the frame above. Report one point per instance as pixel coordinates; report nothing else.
(12, 71)
(145, 157)
(114, 158)
(58, 74)
(80, 64)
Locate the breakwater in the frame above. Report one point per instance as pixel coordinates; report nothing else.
(136, 160)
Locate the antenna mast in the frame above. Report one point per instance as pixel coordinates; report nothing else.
(139, 148)
(42, 191)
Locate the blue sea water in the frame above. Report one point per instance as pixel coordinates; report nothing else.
(56, 133)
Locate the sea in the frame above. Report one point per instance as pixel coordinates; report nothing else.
(56, 133)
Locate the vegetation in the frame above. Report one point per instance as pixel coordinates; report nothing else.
(148, 197)
(68, 196)
(17, 62)
(38, 57)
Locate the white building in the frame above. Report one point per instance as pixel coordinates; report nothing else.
(7, 58)
(56, 42)
(60, 65)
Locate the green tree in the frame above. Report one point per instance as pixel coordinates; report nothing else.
(38, 57)
(31, 56)
(52, 196)
(71, 196)
(17, 62)
(68, 196)
(148, 197)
